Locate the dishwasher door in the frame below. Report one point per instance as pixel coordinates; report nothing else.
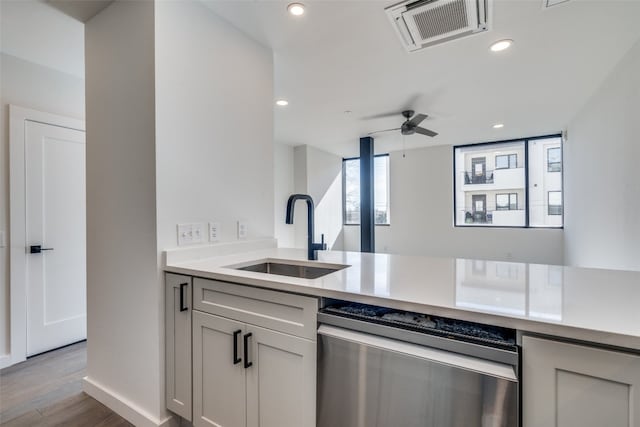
(369, 381)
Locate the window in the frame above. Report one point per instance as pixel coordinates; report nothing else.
(554, 203)
(507, 202)
(507, 161)
(351, 190)
(493, 189)
(554, 159)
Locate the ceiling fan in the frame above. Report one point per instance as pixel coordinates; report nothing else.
(410, 126)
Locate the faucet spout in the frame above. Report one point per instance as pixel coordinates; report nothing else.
(312, 248)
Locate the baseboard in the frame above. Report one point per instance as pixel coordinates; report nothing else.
(123, 407)
(5, 361)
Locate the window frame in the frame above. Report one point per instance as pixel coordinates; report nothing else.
(344, 193)
(509, 201)
(561, 205)
(508, 156)
(526, 141)
(554, 163)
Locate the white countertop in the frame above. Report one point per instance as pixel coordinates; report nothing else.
(594, 305)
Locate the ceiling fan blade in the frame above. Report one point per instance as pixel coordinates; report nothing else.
(381, 116)
(423, 131)
(417, 119)
(380, 131)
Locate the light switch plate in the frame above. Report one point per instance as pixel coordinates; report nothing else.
(242, 230)
(214, 231)
(190, 234)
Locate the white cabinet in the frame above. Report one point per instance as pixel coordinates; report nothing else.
(281, 383)
(178, 344)
(569, 385)
(254, 355)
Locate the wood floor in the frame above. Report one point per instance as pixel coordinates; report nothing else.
(46, 390)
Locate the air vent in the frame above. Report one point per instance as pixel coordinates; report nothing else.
(425, 23)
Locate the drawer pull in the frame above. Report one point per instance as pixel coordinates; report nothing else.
(236, 359)
(247, 363)
(182, 288)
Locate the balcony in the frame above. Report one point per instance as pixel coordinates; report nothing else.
(498, 179)
(501, 218)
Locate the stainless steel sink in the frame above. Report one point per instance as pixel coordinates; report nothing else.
(293, 270)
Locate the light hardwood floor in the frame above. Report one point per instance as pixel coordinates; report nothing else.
(46, 390)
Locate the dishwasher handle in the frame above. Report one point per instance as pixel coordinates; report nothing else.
(482, 366)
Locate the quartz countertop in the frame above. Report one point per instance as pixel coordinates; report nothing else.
(596, 305)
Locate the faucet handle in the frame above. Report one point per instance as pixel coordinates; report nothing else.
(323, 245)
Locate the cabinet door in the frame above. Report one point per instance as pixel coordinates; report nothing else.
(281, 383)
(569, 385)
(219, 388)
(178, 344)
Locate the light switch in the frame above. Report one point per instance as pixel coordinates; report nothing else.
(214, 231)
(242, 230)
(189, 234)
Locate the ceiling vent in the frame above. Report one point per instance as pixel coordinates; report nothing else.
(425, 23)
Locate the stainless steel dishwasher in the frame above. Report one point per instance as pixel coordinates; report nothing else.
(397, 369)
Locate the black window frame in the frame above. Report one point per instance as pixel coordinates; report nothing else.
(549, 167)
(526, 141)
(344, 193)
(561, 205)
(508, 156)
(509, 201)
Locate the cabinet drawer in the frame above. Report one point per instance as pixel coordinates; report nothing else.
(279, 311)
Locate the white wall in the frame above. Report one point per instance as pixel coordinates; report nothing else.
(124, 297)
(421, 211)
(319, 174)
(601, 160)
(40, 88)
(179, 129)
(214, 105)
(283, 188)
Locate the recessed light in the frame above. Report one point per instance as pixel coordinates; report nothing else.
(282, 102)
(501, 45)
(296, 9)
(498, 126)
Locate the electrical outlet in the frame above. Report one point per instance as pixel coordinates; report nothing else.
(242, 230)
(214, 231)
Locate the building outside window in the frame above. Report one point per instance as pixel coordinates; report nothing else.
(554, 203)
(351, 190)
(509, 183)
(554, 159)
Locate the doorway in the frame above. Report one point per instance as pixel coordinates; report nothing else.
(48, 232)
(479, 170)
(479, 203)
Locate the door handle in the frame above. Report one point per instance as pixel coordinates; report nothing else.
(37, 249)
(182, 306)
(236, 359)
(247, 363)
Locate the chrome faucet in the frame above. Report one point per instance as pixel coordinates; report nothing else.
(312, 248)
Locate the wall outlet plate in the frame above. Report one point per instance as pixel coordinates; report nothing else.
(214, 231)
(242, 230)
(190, 234)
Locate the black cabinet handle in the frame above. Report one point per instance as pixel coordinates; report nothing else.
(37, 249)
(236, 359)
(182, 288)
(246, 337)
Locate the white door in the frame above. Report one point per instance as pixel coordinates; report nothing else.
(55, 221)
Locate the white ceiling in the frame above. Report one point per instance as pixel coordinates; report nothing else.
(344, 55)
(37, 32)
